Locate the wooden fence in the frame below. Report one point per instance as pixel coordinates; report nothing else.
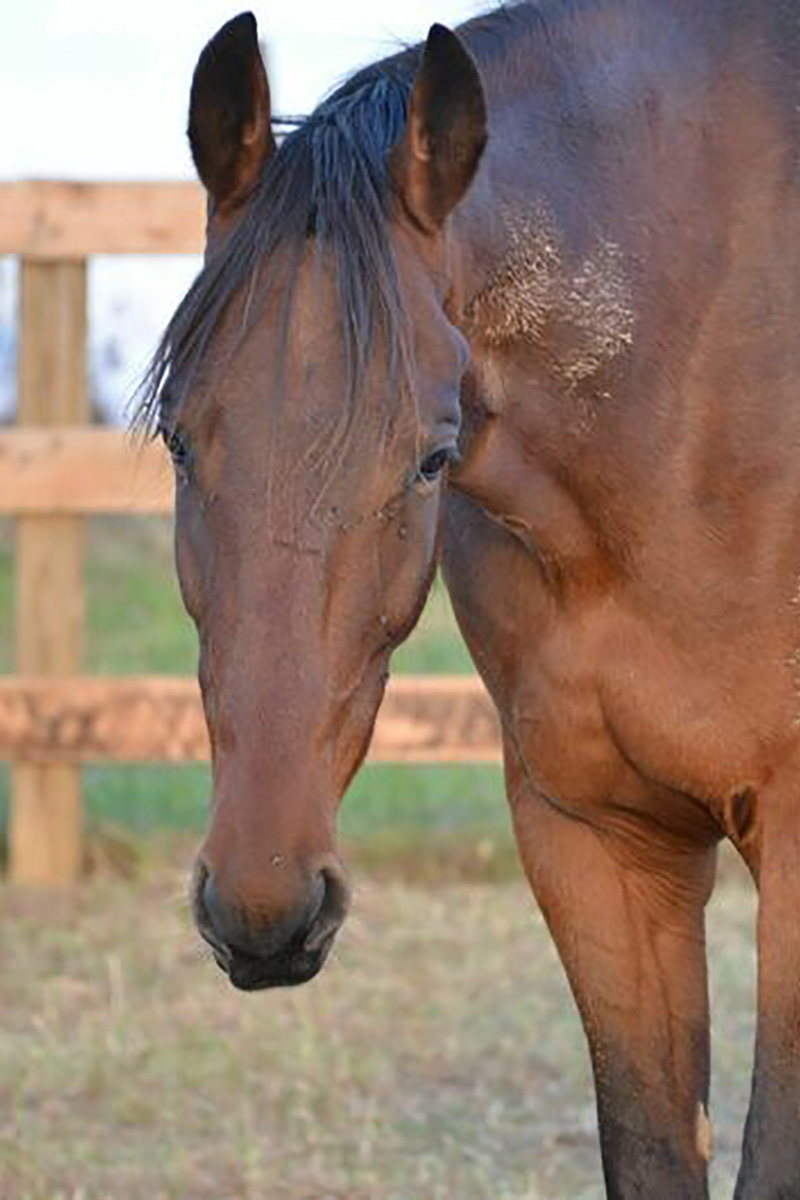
(54, 471)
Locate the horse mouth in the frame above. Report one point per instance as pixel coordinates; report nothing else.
(290, 967)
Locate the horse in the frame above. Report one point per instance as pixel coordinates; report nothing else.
(520, 302)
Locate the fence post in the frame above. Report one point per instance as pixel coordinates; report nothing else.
(45, 834)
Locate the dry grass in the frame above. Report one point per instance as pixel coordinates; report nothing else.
(437, 1056)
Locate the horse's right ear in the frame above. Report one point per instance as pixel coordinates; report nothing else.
(230, 131)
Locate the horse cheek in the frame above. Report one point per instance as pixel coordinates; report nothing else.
(407, 564)
(191, 550)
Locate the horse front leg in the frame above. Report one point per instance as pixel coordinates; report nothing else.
(769, 829)
(625, 907)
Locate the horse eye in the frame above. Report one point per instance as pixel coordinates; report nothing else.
(177, 443)
(432, 466)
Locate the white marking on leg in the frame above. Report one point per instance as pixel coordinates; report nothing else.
(704, 1134)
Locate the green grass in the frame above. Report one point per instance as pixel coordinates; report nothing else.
(136, 625)
(136, 622)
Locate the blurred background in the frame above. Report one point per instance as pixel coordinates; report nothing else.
(439, 1055)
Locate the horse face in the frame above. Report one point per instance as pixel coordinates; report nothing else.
(306, 523)
(305, 555)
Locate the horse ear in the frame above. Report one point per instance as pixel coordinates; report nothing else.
(447, 130)
(230, 132)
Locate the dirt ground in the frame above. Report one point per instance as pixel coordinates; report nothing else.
(438, 1056)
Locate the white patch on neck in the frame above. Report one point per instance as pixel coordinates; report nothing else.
(533, 288)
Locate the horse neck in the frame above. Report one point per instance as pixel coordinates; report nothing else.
(607, 253)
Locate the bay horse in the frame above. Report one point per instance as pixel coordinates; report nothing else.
(524, 302)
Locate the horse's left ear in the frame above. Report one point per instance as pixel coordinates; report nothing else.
(434, 163)
(230, 131)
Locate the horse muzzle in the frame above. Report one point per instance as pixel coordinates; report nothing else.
(257, 952)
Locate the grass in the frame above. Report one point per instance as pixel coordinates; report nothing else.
(423, 819)
(437, 1057)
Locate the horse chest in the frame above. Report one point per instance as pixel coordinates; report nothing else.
(601, 707)
(538, 657)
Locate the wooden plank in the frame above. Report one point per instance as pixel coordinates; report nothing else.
(82, 470)
(45, 825)
(423, 719)
(51, 220)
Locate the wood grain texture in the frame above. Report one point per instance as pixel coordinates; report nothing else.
(45, 825)
(57, 220)
(82, 470)
(424, 719)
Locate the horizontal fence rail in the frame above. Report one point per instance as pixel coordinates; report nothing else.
(423, 719)
(81, 471)
(43, 219)
(55, 470)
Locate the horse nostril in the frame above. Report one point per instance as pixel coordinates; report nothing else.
(331, 909)
(207, 912)
(212, 907)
